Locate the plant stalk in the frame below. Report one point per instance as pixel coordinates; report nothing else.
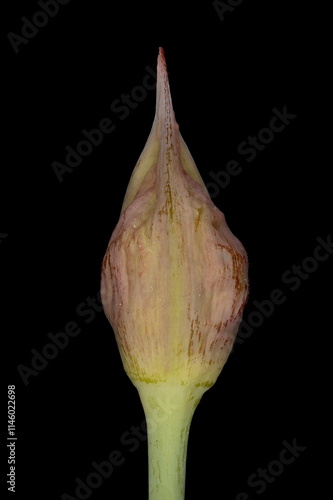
(169, 409)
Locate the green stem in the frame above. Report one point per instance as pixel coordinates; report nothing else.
(169, 410)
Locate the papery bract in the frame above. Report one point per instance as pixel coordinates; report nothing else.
(174, 280)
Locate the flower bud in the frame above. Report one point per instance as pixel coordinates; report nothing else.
(174, 277)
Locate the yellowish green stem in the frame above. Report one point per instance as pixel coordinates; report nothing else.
(169, 410)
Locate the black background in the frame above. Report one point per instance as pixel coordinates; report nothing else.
(226, 77)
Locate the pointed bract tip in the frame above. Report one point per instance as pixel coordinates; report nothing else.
(161, 62)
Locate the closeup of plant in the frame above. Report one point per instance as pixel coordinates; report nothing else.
(174, 285)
